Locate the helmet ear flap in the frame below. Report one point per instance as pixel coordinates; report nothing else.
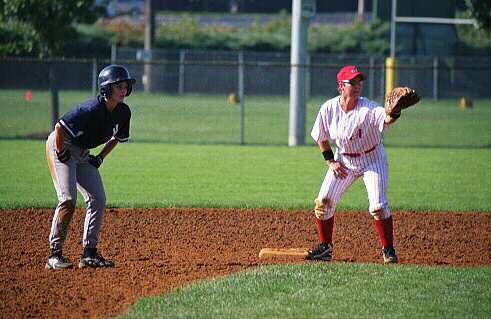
(105, 90)
(129, 89)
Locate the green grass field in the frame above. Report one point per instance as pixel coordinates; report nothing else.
(201, 119)
(329, 291)
(184, 152)
(185, 175)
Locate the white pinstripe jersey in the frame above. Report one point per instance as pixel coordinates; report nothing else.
(352, 132)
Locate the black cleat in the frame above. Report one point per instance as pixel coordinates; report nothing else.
(322, 252)
(95, 261)
(389, 254)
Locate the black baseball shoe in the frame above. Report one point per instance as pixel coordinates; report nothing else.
(323, 252)
(389, 254)
(94, 261)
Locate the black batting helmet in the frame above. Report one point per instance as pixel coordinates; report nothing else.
(114, 74)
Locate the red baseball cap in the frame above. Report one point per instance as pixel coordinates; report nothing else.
(350, 72)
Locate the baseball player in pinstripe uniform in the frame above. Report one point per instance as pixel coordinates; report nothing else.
(101, 120)
(353, 123)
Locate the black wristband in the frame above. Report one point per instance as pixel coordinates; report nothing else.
(395, 116)
(63, 156)
(95, 161)
(328, 155)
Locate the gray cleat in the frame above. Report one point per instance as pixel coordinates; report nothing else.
(58, 262)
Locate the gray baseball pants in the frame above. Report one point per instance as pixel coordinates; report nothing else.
(67, 177)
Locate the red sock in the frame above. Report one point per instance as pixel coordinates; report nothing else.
(325, 228)
(385, 230)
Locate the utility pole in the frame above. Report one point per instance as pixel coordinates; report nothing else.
(302, 12)
(361, 10)
(149, 40)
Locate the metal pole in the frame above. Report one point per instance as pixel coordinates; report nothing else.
(94, 77)
(308, 78)
(393, 29)
(241, 95)
(296, 134)
(114, 51)
(435, 78)
(149, 39)
(361, 9)
(182, 58)
(382, 86)
(54, 94)
(371, 77)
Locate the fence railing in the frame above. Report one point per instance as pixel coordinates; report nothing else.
(220, 72)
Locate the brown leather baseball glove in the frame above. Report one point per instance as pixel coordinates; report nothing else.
(399, 99)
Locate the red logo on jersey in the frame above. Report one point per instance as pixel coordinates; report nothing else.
(357, 134)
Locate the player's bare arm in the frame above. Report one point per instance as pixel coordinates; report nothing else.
(389, 119)
(60, 137)
(108, 147)
(338, 169)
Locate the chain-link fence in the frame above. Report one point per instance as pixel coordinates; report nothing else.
(268, 73)
(216, 72)
(183, 94)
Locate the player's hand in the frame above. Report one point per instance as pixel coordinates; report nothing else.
(63, 156)
(95, 161)
(338, 170)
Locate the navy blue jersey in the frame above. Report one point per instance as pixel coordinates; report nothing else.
(91, 124)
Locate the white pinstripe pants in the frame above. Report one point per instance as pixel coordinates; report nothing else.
(373, 167)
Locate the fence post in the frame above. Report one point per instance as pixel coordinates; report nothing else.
(114, 51)
(435, 78)
(371, 87)
(53, 86)
(94, 77)
(382, 85)
(182, 58)
(307, 77)
(241, 95)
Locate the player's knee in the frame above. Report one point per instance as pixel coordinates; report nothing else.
(381, 213)
(65, 213)
(99, 199)
(324, 208)
(67, 207)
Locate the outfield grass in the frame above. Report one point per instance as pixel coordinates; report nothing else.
(209, 119)
(438, 155)
(329, 291)
(175, 175)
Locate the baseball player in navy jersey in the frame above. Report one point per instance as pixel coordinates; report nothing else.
(353, 124)
(101, 120)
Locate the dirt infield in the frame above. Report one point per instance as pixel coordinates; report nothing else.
(159, 249)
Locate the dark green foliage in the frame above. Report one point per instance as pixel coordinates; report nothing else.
(481, 11)
(355, 38)
(17, 39)
(51, 20)
(25, 32)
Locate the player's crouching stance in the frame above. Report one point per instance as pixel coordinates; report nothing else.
(101, 120)
(353, 124)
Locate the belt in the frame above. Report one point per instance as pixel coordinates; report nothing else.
(360, 154)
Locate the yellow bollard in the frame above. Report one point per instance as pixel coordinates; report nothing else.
(390, 75)
(465, 103)
(233, 98)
